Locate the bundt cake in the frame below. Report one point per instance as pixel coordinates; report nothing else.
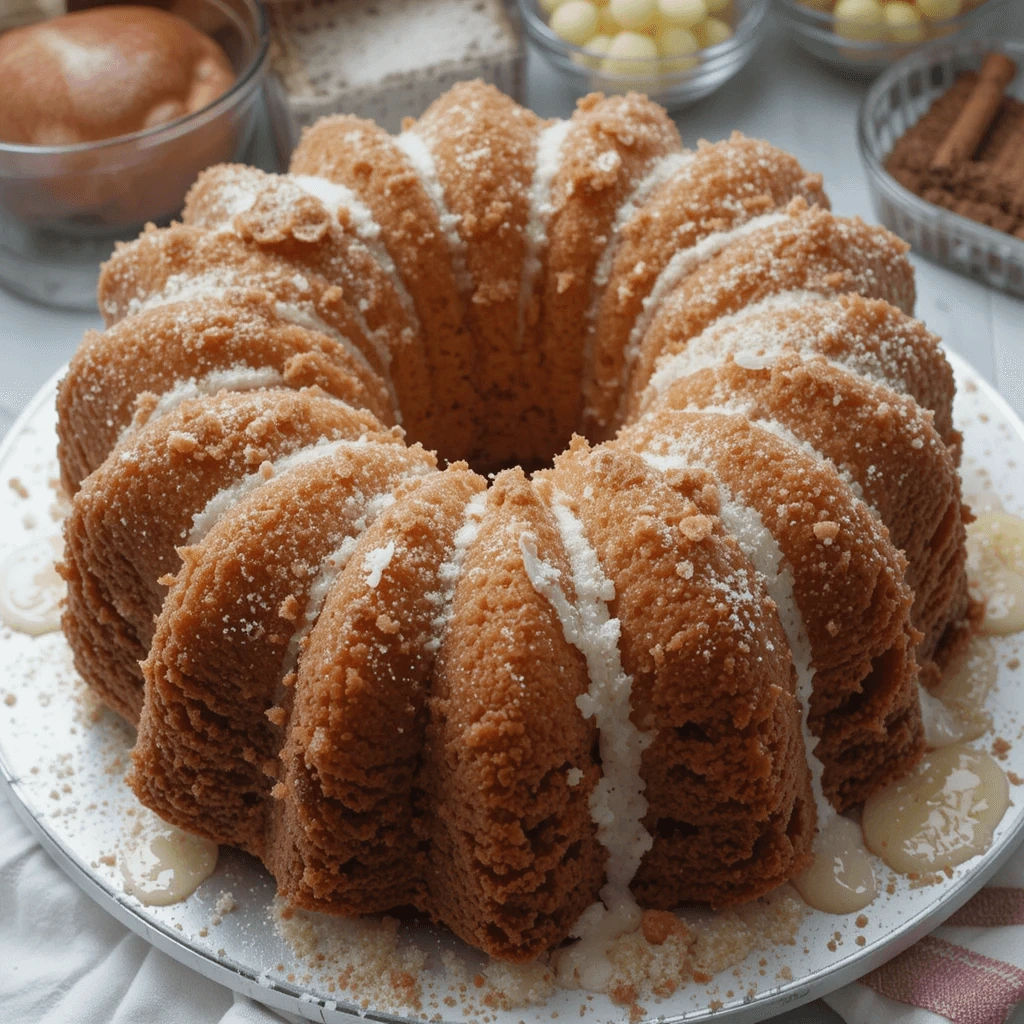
(635, 674)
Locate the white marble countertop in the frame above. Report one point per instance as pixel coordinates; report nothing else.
(784, 96)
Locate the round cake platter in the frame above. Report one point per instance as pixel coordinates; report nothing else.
(62, 764)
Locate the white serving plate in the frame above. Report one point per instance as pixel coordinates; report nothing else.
(62, 762)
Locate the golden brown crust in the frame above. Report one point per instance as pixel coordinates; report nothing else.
(180, 263)
(724, 185)
(483, 144)
(849, 585)
(206, 755)
(342, 837)
(513, 854)
(730, 805)
(364, 158)
(288, 223)
(130, 516)
(868, 337)
(810, 250)
(115, 378)
(612, 143)
(889, 448)
(420, 742)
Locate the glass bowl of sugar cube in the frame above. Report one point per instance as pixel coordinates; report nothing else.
(870, 35)
(675, 51)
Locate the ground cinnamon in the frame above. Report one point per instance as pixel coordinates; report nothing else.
(966, 154)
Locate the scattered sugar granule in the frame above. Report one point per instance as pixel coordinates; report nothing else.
(225, 903)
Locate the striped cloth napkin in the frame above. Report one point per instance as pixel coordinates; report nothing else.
(969, 971)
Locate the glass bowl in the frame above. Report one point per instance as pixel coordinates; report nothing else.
(62, 208)
(892, 105)
(814, 30)
(687, 80)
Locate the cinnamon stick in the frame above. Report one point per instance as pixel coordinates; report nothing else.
(977, 114)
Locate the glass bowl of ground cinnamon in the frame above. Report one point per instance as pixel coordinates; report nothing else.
(108, 112)
(941, 135)
(867, 36)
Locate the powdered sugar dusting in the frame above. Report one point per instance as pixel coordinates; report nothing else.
(336, 197)
(735, 407)
(333, 565)
(240, 377)
(664, 169)
(215, 284)
(184, 287)
(734, 335)
(304, 314)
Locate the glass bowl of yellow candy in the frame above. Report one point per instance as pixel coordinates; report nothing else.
(869, 35)
(676, 51)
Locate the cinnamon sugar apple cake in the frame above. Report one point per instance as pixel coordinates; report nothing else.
(374, 630)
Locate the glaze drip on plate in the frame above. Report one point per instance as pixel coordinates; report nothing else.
(161, 864)
(31, 591)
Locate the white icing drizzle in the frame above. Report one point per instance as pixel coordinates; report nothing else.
(548, 160)
(240, 377)
(332, 566)
(422, 161)
(181, 287)
(336, 197)
(239, 196)
(683, 263)
(304, 314)
(227, 497)
(235, 195)
(735, 407)
(376, 562)
(161, 864)
(840, 880)
(185, 287)
(451, 569)
(617, 804)
(762, 549)
(662, 170)
(941, 725)
(942, 813)
(731, 334)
